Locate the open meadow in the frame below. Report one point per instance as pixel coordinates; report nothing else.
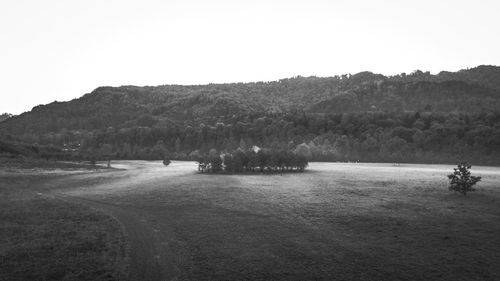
(336, 221)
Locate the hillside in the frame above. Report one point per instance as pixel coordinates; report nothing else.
(5, 116)
(470, 90)
(144, 122)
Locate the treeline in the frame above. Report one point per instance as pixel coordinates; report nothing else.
(254, 160)
(371, 137)
(424, 137)
(14, 148)
(5, 116)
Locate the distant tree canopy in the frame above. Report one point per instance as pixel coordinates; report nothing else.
(245, 161)
(5, 116)
(370, 137)
(417, 117)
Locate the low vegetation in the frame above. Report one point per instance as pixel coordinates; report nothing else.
(340, 221)
(48, 239)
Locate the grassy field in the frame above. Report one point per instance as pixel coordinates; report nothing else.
(37, 164)
(337, 221)
(43, 238)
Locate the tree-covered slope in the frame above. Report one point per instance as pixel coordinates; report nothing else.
(5, 116)
(364, 109)
(470, 90)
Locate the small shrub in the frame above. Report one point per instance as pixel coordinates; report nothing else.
(166, 161)
(461, 180)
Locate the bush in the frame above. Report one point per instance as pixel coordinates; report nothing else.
(461, 180)
(215, 163)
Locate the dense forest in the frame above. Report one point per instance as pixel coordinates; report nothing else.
(417, 117)
(5, 116)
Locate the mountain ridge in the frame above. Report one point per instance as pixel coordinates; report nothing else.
(364, 91)
(417, 113)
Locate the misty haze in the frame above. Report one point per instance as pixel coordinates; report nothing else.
(257, 140)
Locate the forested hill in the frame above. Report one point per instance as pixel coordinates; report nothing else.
(129, 121)
(5, 116)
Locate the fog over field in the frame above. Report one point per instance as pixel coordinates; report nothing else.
(293, 140)
(336, 221)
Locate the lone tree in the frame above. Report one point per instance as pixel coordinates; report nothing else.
(166, 161)
(461, 179)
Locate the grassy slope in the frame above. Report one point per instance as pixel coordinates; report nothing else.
(336, 222)
(48, 239)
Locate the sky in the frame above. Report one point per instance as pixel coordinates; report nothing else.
(58, 50)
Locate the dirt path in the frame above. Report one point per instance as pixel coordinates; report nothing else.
(148, 259)
(144, 248)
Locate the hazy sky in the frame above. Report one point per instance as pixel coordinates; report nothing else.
(59, 50)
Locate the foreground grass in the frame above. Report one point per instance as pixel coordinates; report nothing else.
(334, 222)
(48, 239)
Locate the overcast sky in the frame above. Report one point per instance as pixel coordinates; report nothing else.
(59, 49)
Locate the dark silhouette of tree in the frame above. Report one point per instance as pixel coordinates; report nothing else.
(215, 164)
(166, 161)
(461, 180)
(229, 163)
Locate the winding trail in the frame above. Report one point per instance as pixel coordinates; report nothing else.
(144, 261)
(149, 260)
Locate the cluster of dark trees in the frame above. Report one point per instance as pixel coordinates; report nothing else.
(5, 116)
(14, 148)
(419, 117)
(253, 160)
(371, 137)
(425, 137)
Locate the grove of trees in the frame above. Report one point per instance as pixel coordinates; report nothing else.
(253, 160)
